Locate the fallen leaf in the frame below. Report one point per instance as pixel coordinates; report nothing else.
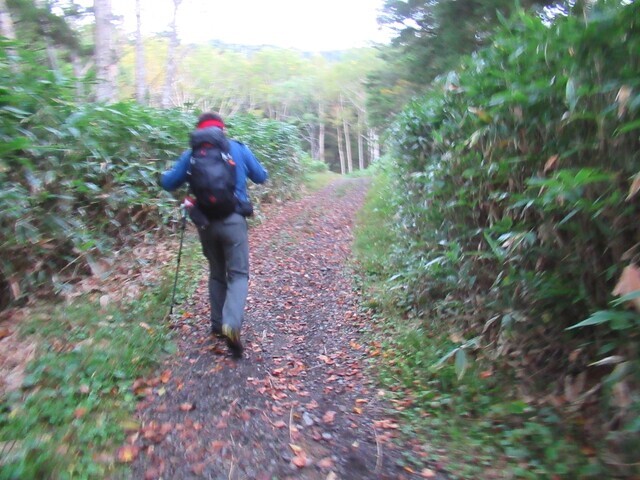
(279, 424)
(198, 468)
(329, 416)
(629, 282)
(623, 99)
(296, 449)
(127, 453)
(300, 460)
(4, 332)
(14, 285)
(325, 359)
(427, 473)
(635, 187)
(155, 433)
(217, 445)
(551, 162)
(165, 376)
(187, 407)
(326, 463)
(152, 474)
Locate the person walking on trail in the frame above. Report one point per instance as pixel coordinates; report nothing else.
(220, 217)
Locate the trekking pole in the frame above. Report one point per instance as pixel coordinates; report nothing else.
(183, 207)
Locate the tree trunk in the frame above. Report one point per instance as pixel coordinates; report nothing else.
(7, 30)
(347, 140)
(171, 58)
(343, 170)
(310, 135)
(360, 143)
(105, 71)
(6, 23)
(52, 55)
(141, 84)
(79, 72)
(321, 132)
(375, 146)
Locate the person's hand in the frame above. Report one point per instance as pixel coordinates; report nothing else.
(188, 203)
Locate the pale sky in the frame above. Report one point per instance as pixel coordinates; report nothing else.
(310, 25)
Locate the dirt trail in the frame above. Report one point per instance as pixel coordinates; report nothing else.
(301, 404)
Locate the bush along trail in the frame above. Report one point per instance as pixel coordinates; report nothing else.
(302, 403)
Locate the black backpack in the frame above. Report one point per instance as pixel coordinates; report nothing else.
(212, 173)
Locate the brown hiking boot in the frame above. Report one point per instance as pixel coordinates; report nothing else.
(216, 330)
(233, 341)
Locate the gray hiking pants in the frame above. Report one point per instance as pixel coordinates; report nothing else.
(225, 243)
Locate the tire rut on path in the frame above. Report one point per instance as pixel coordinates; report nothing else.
(300, 404)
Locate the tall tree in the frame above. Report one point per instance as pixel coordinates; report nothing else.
(430, 37)
(7, 30)
(346, 128)
(141, 81)
(6, 23)
(171, 57)
(104, 51)
(343, 168)
(44, 28)
(321, 131)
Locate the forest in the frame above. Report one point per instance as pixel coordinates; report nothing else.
(497, 250)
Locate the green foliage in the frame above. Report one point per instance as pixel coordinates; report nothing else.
(514, 220)
(314, 166)
(278, 147)
(430, 37)
(77, 399)
(38, 22)
(79, 180)
(449, 394)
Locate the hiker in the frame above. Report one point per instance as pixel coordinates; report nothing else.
(222, 229)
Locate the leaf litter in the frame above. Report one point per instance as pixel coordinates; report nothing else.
(301, 403)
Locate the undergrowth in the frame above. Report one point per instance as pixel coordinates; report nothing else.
(468, 415)
(76, 402)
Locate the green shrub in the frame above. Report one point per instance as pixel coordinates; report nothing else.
(79, 180)
(314, 166)
(515, 219)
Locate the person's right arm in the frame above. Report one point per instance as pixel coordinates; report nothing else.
(174, 178)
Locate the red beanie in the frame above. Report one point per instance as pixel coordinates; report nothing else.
(211, 123)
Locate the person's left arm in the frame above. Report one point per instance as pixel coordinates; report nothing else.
(255, 171)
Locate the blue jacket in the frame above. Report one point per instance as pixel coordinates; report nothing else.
(247, 166)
